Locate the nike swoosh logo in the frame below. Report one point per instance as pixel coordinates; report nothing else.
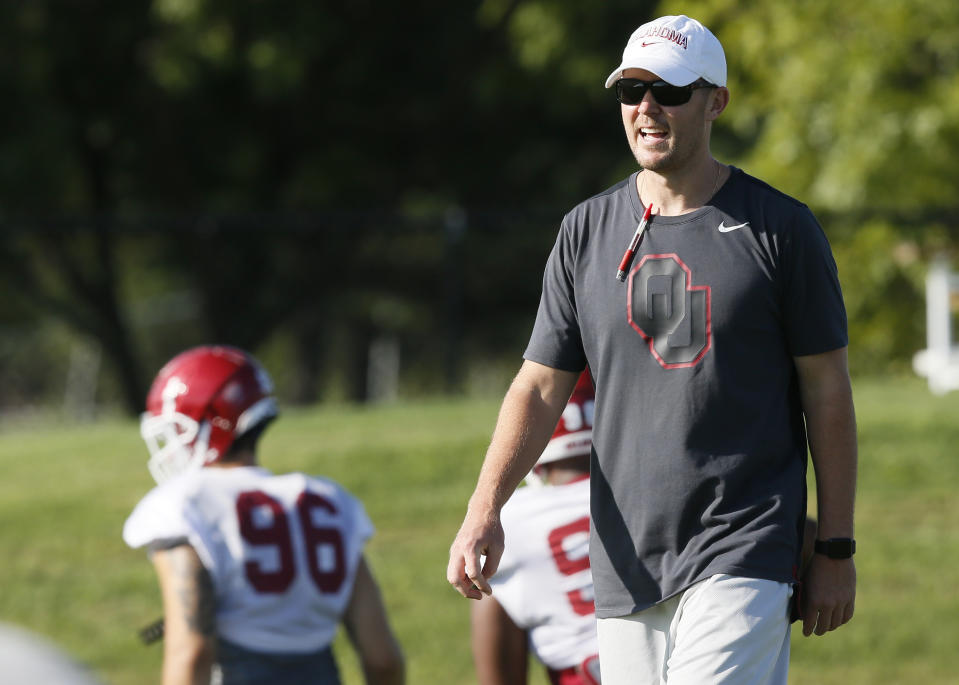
(646, 44)
(723, 228)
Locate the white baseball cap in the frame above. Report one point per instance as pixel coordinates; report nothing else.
(678, 49)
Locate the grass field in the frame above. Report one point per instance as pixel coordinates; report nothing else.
(66, 573)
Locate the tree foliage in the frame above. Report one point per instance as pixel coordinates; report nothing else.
(854, 109)
(851, 106)
(268, 153)
(292, 166)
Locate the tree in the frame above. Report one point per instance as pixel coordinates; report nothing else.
(133, 114)
(854, 109)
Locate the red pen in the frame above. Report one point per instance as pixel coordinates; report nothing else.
(633, 245)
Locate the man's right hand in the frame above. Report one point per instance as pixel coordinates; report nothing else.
(481, 534)
(530, 411)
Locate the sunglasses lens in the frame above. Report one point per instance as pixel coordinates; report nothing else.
(632, 91)
(669, 95)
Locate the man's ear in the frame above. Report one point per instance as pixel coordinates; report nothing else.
(717, 102)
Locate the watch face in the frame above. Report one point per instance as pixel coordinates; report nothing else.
(836, 548)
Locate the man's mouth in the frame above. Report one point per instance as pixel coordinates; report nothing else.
(652, 133)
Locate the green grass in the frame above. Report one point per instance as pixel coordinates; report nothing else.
(66, 573)
(905, 629)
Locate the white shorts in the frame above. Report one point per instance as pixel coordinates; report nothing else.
(725, 629)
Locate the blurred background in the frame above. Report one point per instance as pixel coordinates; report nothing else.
(364, 194)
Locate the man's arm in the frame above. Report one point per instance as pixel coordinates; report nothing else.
(829, 591)
(369, 630)
(500, 647)
(527, 418)
(189, 611)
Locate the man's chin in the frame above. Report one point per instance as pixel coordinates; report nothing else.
(656, 164)
(652, 160)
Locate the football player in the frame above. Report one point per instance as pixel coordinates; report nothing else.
(543, 592)
(256, 570)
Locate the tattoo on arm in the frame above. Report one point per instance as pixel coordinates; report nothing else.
(195, 590)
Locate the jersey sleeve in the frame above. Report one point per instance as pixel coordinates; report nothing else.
(556, 340)
(158, 518)
(815, 314)
(166, 516)
(363, 528)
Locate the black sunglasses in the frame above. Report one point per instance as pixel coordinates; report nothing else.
(631, 91)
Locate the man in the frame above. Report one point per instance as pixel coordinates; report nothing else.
(718, 351)
(256, 570)
(543, 592)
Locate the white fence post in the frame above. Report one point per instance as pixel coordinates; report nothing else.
(939, 362)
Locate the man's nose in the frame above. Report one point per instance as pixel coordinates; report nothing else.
(648, 102)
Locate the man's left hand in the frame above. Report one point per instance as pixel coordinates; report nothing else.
(829, 594)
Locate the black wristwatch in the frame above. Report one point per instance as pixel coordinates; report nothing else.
(836, 548)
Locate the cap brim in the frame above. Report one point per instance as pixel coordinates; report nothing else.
(670, 73)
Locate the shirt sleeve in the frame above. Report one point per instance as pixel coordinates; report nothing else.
(814, 311)
(156, 519)
(166, 516)
(556, 341)
(362, 525)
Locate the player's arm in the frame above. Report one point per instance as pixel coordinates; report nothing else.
(527, 418)
(369, 630)
(500, 647)
(830, 584)
(189, 607)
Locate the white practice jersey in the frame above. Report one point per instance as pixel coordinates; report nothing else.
(543, 581)
(282, 550)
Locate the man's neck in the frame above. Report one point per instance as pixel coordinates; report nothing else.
(675, 193)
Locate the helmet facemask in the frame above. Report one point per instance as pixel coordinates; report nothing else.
(176, 443)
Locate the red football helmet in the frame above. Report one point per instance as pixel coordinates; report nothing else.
(199, 404)
(574, 433)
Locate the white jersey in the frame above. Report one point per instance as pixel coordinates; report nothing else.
(544, 581)
(282, 551)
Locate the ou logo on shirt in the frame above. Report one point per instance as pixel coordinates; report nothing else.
(672, 315)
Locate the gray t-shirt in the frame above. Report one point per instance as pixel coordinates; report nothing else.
(699, 446)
